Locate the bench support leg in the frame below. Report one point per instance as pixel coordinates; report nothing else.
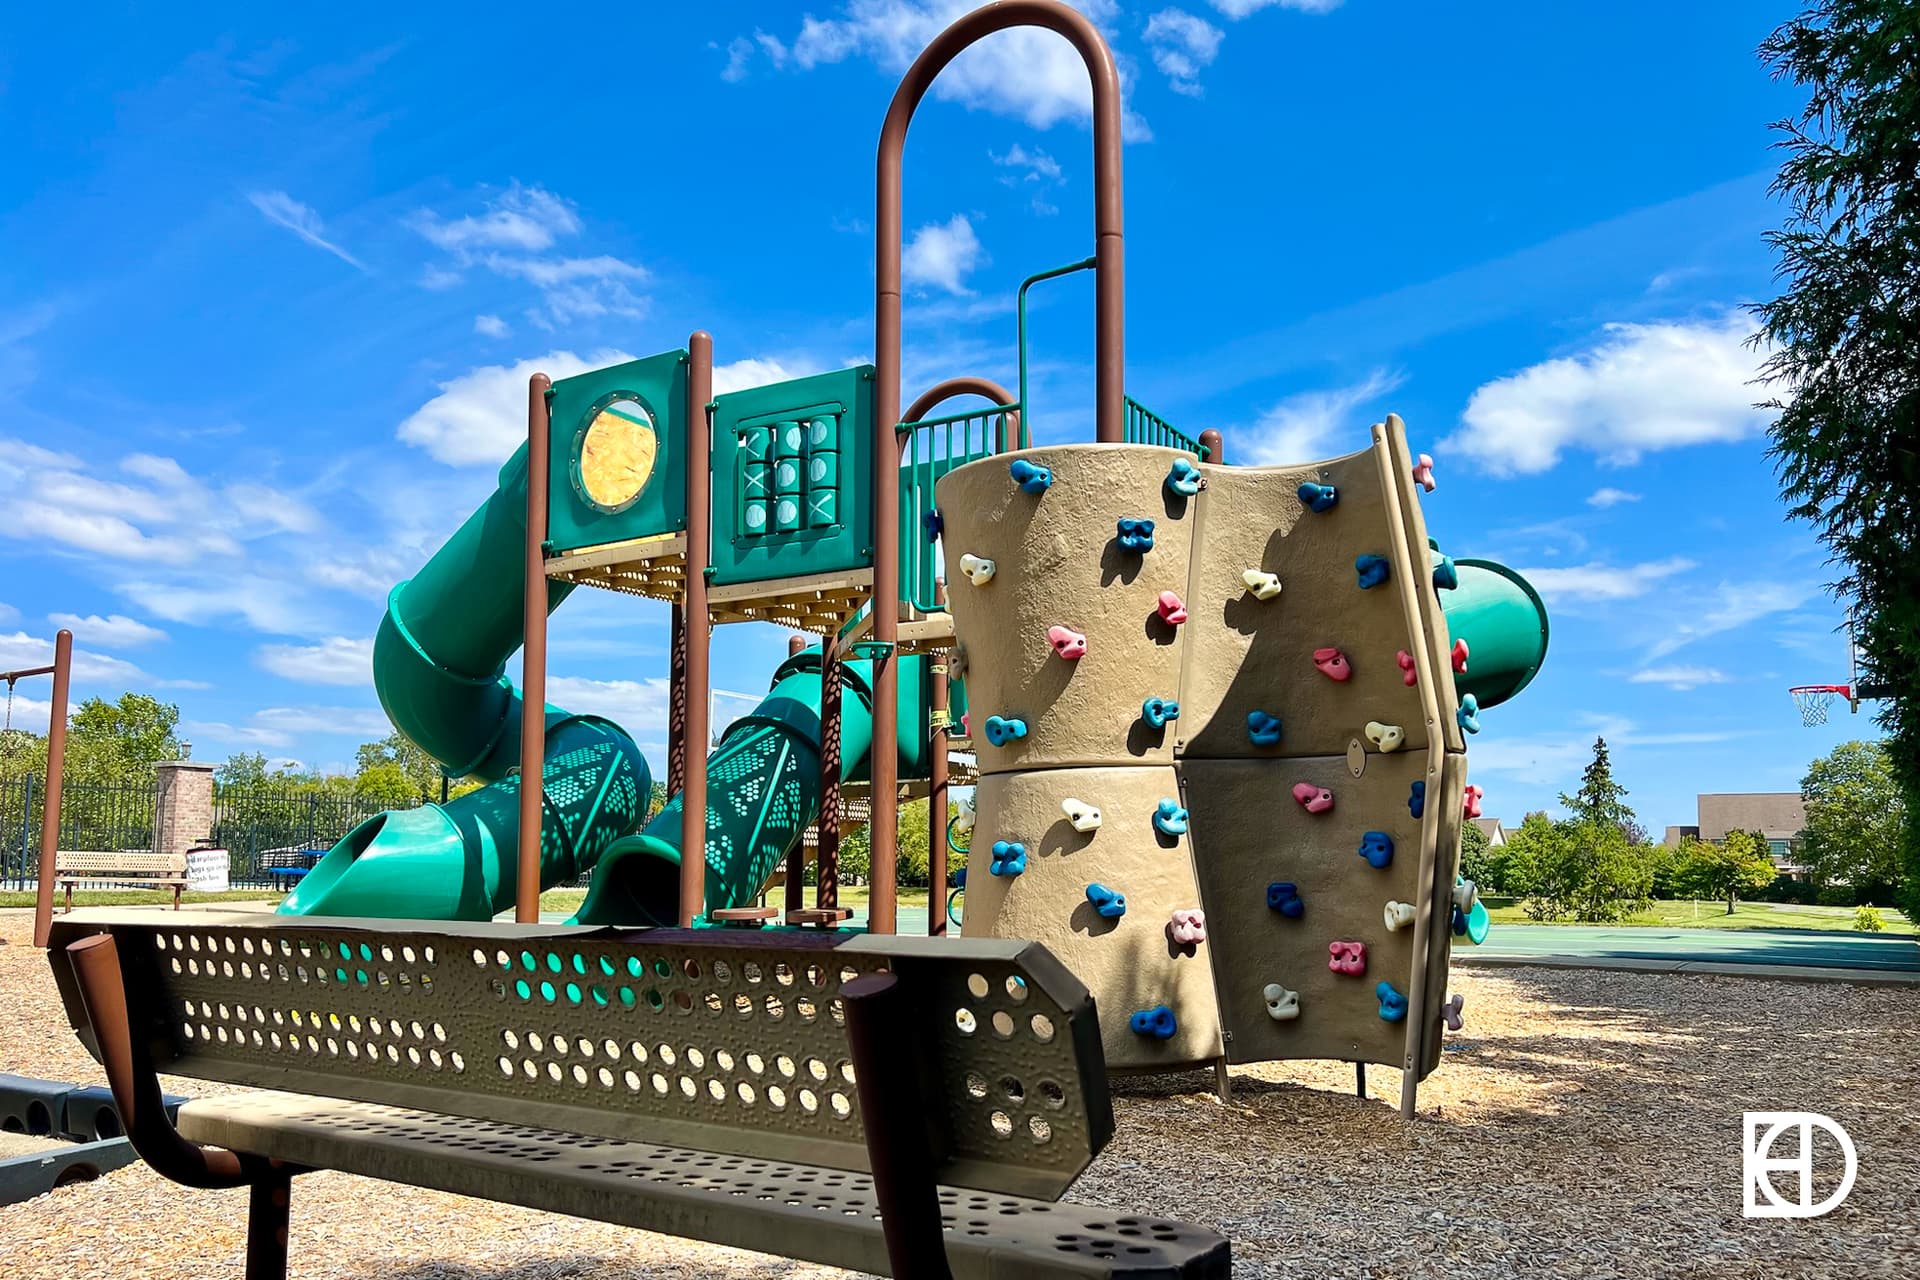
(268, 1206)
(893, 1111)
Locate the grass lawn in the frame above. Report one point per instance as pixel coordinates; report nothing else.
(854, 896)
(1746, 915)
(138, 898)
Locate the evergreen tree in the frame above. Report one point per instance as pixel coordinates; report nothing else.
(1601, 800)
(1844, 337)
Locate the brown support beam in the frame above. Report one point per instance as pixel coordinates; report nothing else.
(699, 630)
(533, 657)
(56, 776)
(1216, 447)
(937, 732)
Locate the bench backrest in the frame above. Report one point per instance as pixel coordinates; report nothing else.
(106, 865)
(716, 1040)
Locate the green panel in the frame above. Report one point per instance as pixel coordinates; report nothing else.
(1502, 619)
(659, 386)
(791, 492)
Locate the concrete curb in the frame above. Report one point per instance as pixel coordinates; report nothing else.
(1716, 968)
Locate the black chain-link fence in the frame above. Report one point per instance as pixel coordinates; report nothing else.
(253, 824)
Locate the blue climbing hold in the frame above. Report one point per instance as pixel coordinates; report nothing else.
(1009, 858)
(1184, 478)
(1319, 497)
(1459, 922)
(1030, 476)
(1157, 711)
(1004, 729)
(1135, 535)
(1263, 730)
(1445, 576)
(1377, 848)
(1284, 896)
(1468, 714)
(1393, 1005)
(1157, 1022)
(1417, 799)
(1373, 570)
(1110, 903)
(935, 523)
(1169, 819)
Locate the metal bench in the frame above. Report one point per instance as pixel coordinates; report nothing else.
(140, 870)
(907, 1106)
(285, 868)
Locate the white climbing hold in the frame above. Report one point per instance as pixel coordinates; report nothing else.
(1387, 737)
(1282, 1005)
(1263, 585)
(978, 569)
(1083, 816)
(1398, 916)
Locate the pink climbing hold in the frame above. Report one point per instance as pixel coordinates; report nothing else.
(1409, 674)
(1333, 665)
(1313, 799)
(1423, 473)
(1472, 801)
(1067, 643)
(1172, 609)
(1187, 927)
(1349, 958)
(1460, 656)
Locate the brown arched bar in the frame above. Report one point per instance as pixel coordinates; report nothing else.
(1109, 358)
(987, 389)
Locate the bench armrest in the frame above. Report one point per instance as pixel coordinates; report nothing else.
(136, 1089)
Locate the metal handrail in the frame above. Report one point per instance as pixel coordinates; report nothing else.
(1144, 426)
(1020, 309)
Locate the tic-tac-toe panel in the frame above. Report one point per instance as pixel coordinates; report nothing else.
(1067, 583)
(1303, 671)
(1052, 850)
(1284, 885)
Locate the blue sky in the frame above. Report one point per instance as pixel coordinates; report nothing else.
(273, 283)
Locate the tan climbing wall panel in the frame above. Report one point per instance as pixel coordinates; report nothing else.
(1057, 564)
(1246, 654)
(1397, 460)
(1128, 963)
(1248, 832)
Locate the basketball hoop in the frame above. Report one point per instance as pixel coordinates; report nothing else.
(1812, 700)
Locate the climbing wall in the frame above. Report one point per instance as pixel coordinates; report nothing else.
(1065, 641)
(1276, 638)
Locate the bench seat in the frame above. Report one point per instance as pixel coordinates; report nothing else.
(821, 1215)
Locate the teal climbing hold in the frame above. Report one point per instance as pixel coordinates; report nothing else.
(1468, 713)
(1009, 858)
(1135, 535)
(1373, 570)
(1111, 904)
(1319, 497)
(1393, 1005)
(1445, 576)
(1183, 478)
(1004, 729)
(1263, 730)
(1031, 477)
(1169, 819)
(1157, 711)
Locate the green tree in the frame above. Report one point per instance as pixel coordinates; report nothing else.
(1736, 864)
(121, 741)
(1519, 864)
(387, 784)
(1601, 799)
(1587, 870)
(421, 770)
(1856, 818)
(242, 770)
(1844, 338)
(1476, 857)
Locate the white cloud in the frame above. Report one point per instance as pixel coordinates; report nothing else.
(116, 631)
(739, 55)
(1679, 677)
(283, 726)
(1732, 605)
(1311, 425)
(480, 417)
(269, 604)
(1639, 388)
(490, 326)
(1596, 581)
(1183, 45)
(528, 219)
(742, 374)
(1604, 498)
(941, 255)
(283, 210)
(1238, 9)
(1035, 168)
(19, 650)
(1023, 72)
(638, 706)
(335, 660)
(8, 613)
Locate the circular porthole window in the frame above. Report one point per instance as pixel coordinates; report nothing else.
(614, 452)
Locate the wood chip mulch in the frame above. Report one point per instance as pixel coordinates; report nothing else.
(1585, 1124)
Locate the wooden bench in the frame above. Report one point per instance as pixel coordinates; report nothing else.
(139, 870)
(906, 1106)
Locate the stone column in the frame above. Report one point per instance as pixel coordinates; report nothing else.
(183, 806)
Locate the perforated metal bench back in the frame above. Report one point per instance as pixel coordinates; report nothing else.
(105, 865)
(707, 1040)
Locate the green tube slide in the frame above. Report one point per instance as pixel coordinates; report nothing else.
(763, 793)
(439, 663)
(1502, 619)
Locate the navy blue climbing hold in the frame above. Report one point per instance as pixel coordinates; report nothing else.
(1157, 1023)
(1377, 848)
(1417, 799)
(1284, 896)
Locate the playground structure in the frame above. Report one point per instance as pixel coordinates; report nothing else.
(1159, 649)
(61, 669)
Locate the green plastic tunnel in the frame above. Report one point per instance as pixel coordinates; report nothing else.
(1502, 619)
(764, 791)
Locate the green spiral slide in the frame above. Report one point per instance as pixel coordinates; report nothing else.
(439, 668)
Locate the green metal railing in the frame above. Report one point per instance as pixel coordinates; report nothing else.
(928, 450)
(1020, 309)
(1144, 426)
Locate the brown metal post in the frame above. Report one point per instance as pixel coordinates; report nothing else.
(56, 776)
(937, 732)
(676, 697)
(893, 1113)
(699, 629)
(826, 891)
(533, 657)
(1216, 447)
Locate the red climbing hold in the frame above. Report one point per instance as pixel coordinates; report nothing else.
(1460, 656)
(1472, 801)
(1409, 675)
(1171, 608)
(1333, 664)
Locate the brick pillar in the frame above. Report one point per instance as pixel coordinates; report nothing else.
(183, 806)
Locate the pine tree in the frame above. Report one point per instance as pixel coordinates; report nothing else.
(1600, 799)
